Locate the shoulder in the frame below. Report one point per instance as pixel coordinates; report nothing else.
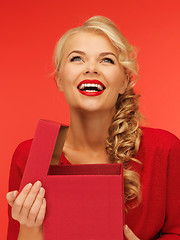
(18, 164)
(159, 153)
(23, 148)
(159, 137)
(21, 154)
(158, 145)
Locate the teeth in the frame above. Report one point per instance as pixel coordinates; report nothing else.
(99, 87)
(90, 91)
(82, 86)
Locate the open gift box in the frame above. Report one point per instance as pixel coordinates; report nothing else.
(85, 201)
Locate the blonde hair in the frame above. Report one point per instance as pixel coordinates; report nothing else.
(124, 132)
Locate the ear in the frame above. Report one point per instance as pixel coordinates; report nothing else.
(124, 83)
(60, 84)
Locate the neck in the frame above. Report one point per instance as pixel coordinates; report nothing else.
(88, 131)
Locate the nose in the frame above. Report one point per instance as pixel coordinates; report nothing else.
(91, 68)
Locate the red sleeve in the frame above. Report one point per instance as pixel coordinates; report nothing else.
(18, 163)
(158, 214)
(171, 228)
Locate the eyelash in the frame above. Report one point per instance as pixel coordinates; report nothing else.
(109, 60)
(75, 57)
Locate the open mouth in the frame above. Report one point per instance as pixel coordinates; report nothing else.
(91, 87)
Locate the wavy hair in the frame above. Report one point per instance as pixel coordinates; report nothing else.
(124, 132)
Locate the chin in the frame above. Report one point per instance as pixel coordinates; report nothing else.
(94, 109)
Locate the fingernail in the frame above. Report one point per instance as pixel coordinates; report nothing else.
(126, 229)
(28, 186)
(44, 201)
(41, 191)
(37, 184)
(15, 193)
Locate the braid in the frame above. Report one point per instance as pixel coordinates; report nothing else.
(124, 140)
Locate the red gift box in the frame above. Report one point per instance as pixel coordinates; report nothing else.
(85, 201)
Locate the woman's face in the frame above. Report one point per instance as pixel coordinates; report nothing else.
(90, 75)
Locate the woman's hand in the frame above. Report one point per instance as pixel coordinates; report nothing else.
(29, 207)
(129, 234)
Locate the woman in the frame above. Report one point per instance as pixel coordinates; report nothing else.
(96, 69)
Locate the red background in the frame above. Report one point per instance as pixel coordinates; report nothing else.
(29, 31)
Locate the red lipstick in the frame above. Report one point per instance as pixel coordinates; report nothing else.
(91, 87)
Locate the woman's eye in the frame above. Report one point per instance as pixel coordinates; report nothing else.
(76, 58)
(108, 60)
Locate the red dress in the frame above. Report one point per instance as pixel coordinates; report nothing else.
(158, 215)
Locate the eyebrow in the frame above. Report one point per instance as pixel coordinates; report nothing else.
(101, 54)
